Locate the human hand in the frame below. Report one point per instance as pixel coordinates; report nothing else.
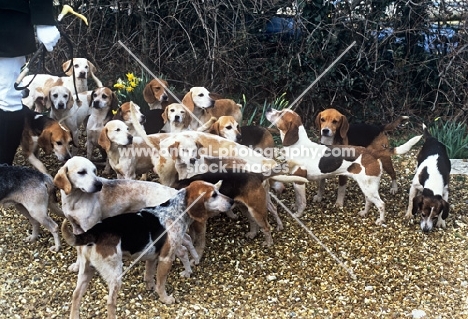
(48, 35)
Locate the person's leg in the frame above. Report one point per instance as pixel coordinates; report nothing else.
(11, 109)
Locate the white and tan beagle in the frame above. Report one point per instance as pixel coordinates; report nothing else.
(315, 161)
(64, 109)
(82, 68)
(200, 102)
(176, 118)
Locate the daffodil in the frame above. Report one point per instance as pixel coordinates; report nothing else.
(119, 86)
(130, 77)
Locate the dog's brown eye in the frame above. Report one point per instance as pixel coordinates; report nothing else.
(182, 112)
(104, 96)
(334, 121)
(172, 110)
(55, 95)
(83, 172)
(65, 96)
(322, 119)
(229, 127)
(200, 95)
(76, 66)
(118, 130)
(58, 143)
(214, 195)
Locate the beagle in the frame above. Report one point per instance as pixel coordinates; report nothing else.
(43, 132)
(153, 234)
(63, 108)
(247, 189)
(82, 68)
(103, 102)
(203, 106)
(87, 199)
(428, 195)
(316, 161)
(32, 193)
(176, 118)
(155, 94)
(128, 155)
(123, 114)
(254, 136)
(335, 130)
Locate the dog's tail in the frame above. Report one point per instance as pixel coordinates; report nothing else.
(138, 127)
(289, 179)
(76, 240)
(404, 148)
(426, 132)
(400, 121)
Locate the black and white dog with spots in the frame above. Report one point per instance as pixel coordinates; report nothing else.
(32, 193)
(154, 234)
(429, 190)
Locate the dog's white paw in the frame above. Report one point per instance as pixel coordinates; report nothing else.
(185, 273)
(54, 248)
(379, 221)
(74, 267)
(317, 199)
(362, 213)
(168, 300)
(231, 215)
(408, 215)
(31, 238)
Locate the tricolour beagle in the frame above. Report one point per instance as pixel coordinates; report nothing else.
(154, 234)
(429, 190)
(43, 132)
(315, 161)
(335, 130)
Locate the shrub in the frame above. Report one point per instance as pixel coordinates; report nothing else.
(454, 135)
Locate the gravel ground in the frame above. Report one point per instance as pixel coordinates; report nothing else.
(357, 270)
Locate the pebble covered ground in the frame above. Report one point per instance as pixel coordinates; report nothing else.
(344, 266)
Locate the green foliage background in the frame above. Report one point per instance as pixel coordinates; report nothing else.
(224, 46)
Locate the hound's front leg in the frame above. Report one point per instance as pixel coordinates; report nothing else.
(300, 191)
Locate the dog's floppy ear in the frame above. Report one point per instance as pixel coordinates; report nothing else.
(66, 67)
(317, 120)
(214, 129)
(196, 203)
(187, 119)
(292, 134)
(174, 150)
(188, 101)
(115, 102)
(104, 140)
(47, 100)
(71, 100)
(344, 129)
(417, 204)
(164, 114)
(445, 209)
(61, 180)
(148, 95)
(44, 141)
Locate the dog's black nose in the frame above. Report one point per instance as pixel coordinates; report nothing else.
(325, 131)
(177, 117)
(130, 139)
(97, 186)
(239, 138)
(193, 160)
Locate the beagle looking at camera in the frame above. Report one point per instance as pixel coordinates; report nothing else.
(429, 190)
(205, 105)
(335, 130)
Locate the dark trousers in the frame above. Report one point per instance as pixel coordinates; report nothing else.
(11, 131)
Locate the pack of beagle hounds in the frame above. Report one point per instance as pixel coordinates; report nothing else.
(206, 163)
